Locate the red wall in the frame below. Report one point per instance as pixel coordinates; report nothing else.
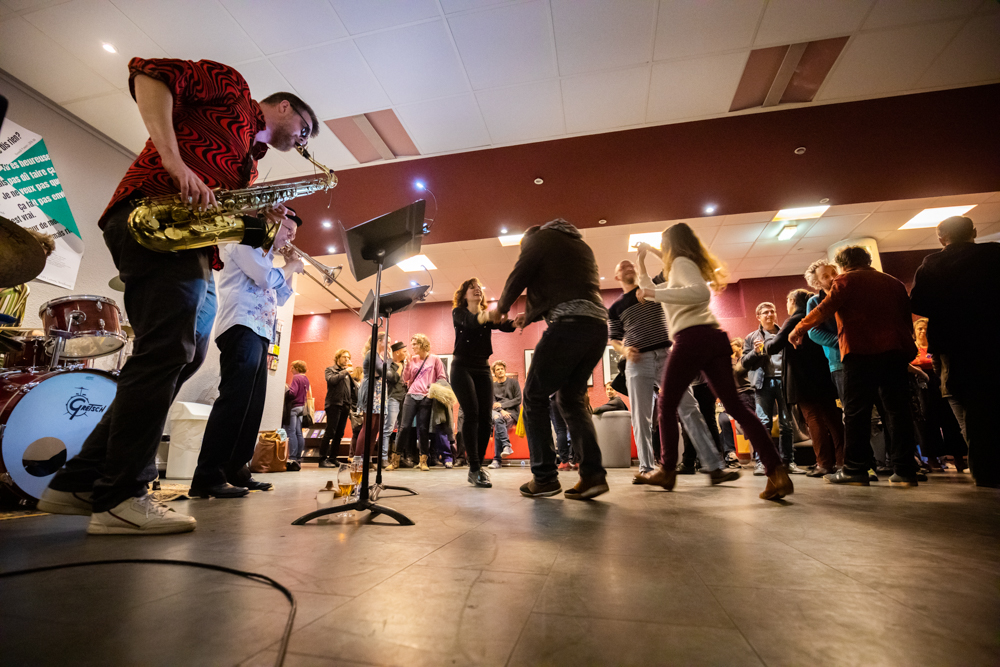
(315, 338)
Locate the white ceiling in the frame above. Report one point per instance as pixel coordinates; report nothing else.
(471, 74)
(747, 242)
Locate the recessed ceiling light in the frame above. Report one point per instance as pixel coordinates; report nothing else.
(602, 277)
(602, 221)
(787, 232)
(312, 312)
(511, 239)
(930, 217)
(710, 209)
(327, 224)
(493, 299)
(538, 181)
(331, 249)
(652, 238)
(416, 263)
(802, 213)
(413, 283)
(110, 48)
(503, 230)
(297, 294)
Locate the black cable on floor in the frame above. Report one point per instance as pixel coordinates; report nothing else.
(286, 636)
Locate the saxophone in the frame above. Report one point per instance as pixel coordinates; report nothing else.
(165, 224)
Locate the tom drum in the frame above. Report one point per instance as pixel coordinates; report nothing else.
(90, 326)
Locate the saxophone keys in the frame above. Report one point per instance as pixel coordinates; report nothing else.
(173, 233)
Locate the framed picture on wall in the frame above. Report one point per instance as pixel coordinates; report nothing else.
(610, 365)
(528, 354)
(446, 360)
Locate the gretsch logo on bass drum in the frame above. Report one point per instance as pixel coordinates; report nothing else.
(78, 405)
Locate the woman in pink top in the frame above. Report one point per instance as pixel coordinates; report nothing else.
(299, 389)
(421, 371)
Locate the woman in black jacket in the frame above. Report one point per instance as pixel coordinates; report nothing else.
(470, 373)
(806, 383)
(341, 396)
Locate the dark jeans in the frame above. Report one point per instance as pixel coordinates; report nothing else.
(473, 386)
(231, 431)
(418, 407)
(968, 381)
(336, 424)
(868, 377)
(296, 443)
(706, 349)
(169, 297)
(825, 422)
(938, 431)
(706, 405)
(770, 399)
(564, 358)
(562, 434)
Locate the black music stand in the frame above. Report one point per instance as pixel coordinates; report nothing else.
(388, 239)
(389, 303)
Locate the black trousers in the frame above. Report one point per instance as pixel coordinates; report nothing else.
(233, 425)
(564, 358)
(418, 407)
(473, 386)
(968, 381)
(867, 378)
(169, 298)
(336, 424)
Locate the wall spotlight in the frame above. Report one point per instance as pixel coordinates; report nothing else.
(110, 48)
(419, 185)
(710, 209)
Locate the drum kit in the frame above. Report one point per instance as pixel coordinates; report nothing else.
(51, 395)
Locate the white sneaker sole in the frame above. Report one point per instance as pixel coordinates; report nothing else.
(61, 508)
(163, 529)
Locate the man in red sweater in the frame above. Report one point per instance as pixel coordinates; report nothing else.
(876, 344)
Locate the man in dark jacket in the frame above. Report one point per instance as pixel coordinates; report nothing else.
(614, 404)
(876, 344)
(506, 408)
(559, 271)
(952, 288)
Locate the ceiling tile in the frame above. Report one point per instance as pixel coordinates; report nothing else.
(364, 15)
(301, 23)
(83, 26)
(973, 56)
(51, 70)
(115, 115)
(263, 78)
(328, 150)
(815, 244)
(883, 221)
(746, 218)
(907, 204)
(793, 21)
(985, 213)
(192, 29)
(27, 5)
(851, 209)
(452, 6)
(963, 200)
(602, 34)
(687, 28)
(887, 13)
(522, 113)
(730, 251)
(902, 238)
(797, 263)
(840, 225)
(445, 125)
(757, 263)
(414, 63)
(739, 233)
(769, 248)
(333, 91)
(691, 88)
(5, 10)
(886, 61)
(606, 100)
(506, 45)
(273, 167)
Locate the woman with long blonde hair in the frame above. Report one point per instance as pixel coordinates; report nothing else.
(699, 346)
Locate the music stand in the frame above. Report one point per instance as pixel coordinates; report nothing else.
(388, 239)
(389, 303)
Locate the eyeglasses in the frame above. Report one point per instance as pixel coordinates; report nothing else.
(307, 128)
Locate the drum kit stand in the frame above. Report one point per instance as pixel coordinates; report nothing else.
(51, 395)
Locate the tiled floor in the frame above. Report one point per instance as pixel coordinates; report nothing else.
(701, 576)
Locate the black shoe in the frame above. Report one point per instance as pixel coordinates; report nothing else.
(480, 478)
(406, 463)
(818, 472)
(921, 477)
(327, 463)
(293, 466)
(903, 480)
(733, 461)
(224, 490)
(860, 479)
(684, 469)
(533, 489)
(253, 485)
(884, 471)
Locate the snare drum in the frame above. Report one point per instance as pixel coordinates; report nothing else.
(90, 326)
(34, 353)
(44, 418)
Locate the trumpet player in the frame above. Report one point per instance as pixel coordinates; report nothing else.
(205, 132)
(250, 290)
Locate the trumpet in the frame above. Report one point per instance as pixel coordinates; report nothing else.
(328, 273)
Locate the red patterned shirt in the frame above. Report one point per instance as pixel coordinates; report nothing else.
(216, 123)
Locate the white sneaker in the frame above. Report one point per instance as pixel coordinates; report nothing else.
(494, 464)
(507, 451)
(65, 502)
(449, 464)
(140, 516)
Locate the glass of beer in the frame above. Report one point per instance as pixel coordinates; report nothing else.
(345, 481)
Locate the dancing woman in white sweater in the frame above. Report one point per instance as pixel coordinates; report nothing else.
(699, 345)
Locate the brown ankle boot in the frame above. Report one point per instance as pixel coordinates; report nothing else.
(779, 485)
(662, 478)
(423, 462)
(393, 463)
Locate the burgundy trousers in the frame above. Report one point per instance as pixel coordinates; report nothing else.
(705, 349)
(826, 428)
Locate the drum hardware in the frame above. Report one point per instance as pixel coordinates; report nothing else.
(22, 258)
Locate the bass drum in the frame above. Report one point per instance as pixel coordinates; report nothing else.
(45, 415)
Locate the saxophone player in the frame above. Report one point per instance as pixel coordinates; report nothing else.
(206, 131)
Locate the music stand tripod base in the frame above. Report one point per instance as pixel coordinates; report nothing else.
(359, 506)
